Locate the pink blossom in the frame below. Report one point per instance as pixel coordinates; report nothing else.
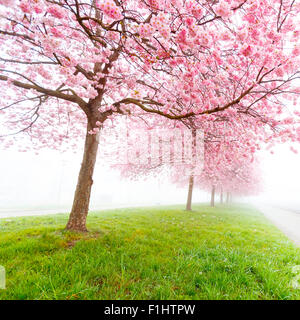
(7, 3)
(38, 9)
(56, 32)
(56, 12)
(25, 7)
(110, 9)
(145, 30)
(296, 51)
(247, 51)
(222, 9)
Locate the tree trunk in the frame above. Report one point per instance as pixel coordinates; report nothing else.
(80, 208)
(227, 198)
(190, 194)
(212, 199)
(221, 197)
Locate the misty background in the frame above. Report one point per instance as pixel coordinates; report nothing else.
(45, 183)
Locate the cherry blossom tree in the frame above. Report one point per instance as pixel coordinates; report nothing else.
(68, 66)
(238, 176)
(238, 180)
(229, 146)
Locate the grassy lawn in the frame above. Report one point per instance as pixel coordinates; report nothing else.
(149, 253)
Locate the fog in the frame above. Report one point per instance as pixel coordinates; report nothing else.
(45, 183)
(281, 178)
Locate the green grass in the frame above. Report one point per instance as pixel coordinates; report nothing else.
(149, 253)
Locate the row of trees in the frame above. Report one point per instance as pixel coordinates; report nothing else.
(214, 161)
(227, 67)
